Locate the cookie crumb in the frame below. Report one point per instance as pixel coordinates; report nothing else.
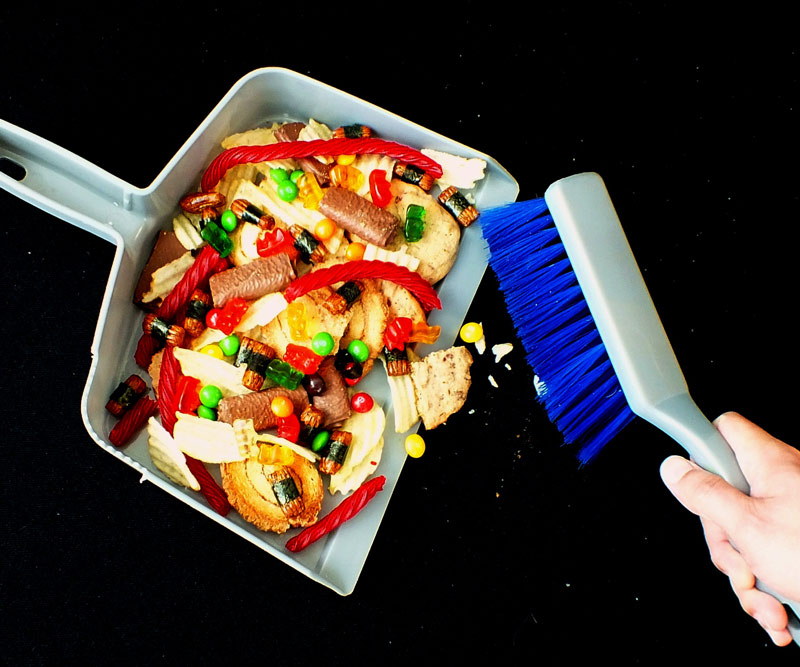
(501, 350)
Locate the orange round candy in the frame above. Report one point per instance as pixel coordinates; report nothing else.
(281, 406)
(355, 251)
(324, 229)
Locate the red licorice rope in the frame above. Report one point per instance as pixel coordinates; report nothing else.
(132, 421)
(362, 269)
(168, 381)
(347, 509)
(296, 149)
(206, 264)
(208, 486)
(145, 349)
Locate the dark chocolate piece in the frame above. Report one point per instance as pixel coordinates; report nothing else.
(167, 248)
(256, 406)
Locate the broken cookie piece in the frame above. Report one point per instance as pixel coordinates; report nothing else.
(441, 382)
(166, 250)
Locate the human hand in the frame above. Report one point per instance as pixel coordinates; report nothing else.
(764, 526)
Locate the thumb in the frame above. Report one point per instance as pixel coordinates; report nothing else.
(705, 494)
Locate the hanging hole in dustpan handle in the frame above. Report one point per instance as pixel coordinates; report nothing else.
(12, 169)
(67, 186)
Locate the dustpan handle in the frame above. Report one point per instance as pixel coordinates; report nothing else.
(67, 186)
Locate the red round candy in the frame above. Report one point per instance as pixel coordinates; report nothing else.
(212, 317)
(361, 402)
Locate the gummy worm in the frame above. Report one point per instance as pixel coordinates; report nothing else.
(132, 421)
(296, 149)
(347, 509)
(168, 381)
(366, 268)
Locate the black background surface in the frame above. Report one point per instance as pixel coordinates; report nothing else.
(496, 544)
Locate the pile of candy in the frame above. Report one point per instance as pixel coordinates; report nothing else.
(306, 255)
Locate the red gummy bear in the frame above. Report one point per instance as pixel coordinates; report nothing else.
(302, 358)
(225, 319)
(274, 242)
(188, 394)
(397, 333)
(289, 427)
(379, 188)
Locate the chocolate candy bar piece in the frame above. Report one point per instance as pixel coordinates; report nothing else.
(359, 216)
(252, 280)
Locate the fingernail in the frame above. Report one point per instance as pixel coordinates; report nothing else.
(673, 468)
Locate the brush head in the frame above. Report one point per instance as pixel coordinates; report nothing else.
(576, 383)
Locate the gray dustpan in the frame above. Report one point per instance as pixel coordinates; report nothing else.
(65, 185)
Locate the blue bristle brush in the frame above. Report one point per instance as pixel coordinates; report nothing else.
(590, 330)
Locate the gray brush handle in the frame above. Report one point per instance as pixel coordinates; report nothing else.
(632, 333)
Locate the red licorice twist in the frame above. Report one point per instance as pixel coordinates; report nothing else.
(132, 421)
(168, 380)
(296, 149)
(168, 398)
(208, 486)
(360, 269)
(347, 509)
(206, 264)
(145, 349)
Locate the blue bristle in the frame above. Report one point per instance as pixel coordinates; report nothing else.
(580, 392)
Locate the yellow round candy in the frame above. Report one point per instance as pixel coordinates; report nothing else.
(345, 159)
(355, 251)
(471, 332)
(282, 406)
(324, 229)
(415, 445)
(213, 350)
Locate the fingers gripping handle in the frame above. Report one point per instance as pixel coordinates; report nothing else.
(792, 610)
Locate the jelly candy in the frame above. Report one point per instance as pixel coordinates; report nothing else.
(379, 188)
(188, 394)
(215, 235)
(283, 374)
(289, 427)
(296, 317)
(309, 190)
(422, 333)
(415, 223)
(225, 319)
(396, 334)
(273, 242)
(346, 176)
(302, 359)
